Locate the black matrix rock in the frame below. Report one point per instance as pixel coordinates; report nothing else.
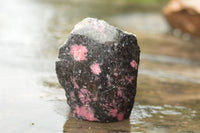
(98, 69)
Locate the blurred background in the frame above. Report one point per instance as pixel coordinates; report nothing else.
(31, 32)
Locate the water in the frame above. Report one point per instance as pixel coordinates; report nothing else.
(31, 100)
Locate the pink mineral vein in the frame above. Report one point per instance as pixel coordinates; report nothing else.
(119, 92)
(129, 79)
(72, 95)
(84, 96)
(94, 99)
(113, 112)
(115, 74)
(72, 98)
(120, 116)
(79, 52)
(74, 83)
(96, 68)
(109, 82)
(113, 104)
(85, 112)
(134, 64)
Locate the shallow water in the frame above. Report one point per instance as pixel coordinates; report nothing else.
(31, 100)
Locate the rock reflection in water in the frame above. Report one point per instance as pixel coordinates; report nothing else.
(73, 125)
(144, 118)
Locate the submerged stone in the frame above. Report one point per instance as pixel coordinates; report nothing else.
(98, 69)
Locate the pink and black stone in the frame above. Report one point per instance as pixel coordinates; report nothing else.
(98, 69)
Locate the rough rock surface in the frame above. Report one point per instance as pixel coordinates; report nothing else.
(98, 69)
(184, 15)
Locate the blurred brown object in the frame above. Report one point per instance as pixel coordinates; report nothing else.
(184, 15)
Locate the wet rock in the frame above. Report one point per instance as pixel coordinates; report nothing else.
(98, 69)
(184, 15)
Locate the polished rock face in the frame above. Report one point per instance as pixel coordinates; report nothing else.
(98, 69)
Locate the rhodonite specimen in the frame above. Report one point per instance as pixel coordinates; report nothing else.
(98, 69)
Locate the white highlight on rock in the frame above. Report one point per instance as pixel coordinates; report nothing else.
(95, 29)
